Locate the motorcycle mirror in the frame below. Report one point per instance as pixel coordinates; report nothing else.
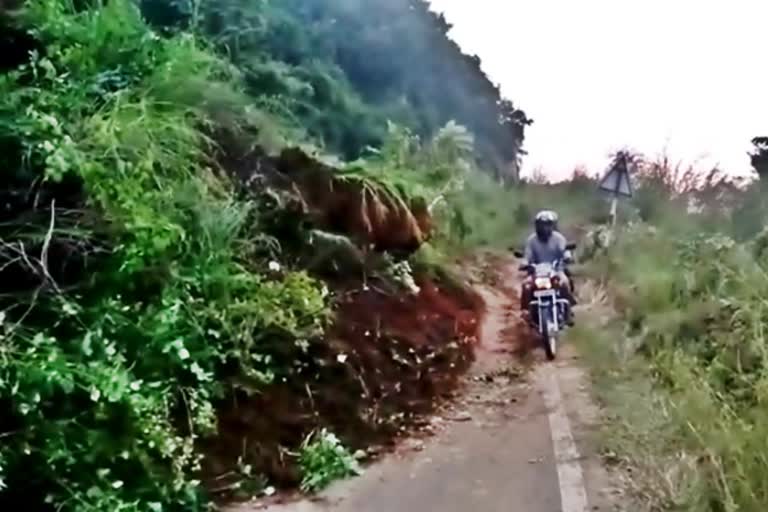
(571, 246)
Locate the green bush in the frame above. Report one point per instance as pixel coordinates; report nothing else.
(105, 387)
(148, 287)
(324, 459)
(697, 305)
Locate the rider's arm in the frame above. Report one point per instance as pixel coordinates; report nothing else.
(528, 256)
(567, 255)
(561, 242)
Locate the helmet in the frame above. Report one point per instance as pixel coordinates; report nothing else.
(545, 223)
(546, 216)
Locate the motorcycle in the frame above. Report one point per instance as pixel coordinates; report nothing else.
(548, 310)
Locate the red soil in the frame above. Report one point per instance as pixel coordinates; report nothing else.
(388, 359)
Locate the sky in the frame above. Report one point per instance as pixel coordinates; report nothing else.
(688, 78)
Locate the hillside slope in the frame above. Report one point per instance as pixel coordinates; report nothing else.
(189, 289)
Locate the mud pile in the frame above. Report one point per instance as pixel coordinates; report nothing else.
(388, 359)
(371, 213)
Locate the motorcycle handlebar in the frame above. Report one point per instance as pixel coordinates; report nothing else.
(557, 265)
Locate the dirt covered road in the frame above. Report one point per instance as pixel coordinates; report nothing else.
(518, 440)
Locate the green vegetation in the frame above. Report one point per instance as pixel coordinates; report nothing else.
(342, 68)
(148, 279)
(159, 279)
(324, 459)
(682, 363)
(107, 381)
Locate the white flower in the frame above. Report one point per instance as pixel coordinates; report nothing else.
(95, 394)
(269, 491)
(274, 266)
(342, 358)
(184, 354)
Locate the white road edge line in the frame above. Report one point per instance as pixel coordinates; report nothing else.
(573, 493)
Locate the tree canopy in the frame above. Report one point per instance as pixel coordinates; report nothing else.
(343, 68)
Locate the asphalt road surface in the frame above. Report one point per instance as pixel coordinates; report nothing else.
(517, 441)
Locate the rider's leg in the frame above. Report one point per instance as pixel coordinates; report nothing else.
(568, 274)
(567, 293)
(566, 288)
(526, 295)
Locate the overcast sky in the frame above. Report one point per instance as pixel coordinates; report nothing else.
(688, 76)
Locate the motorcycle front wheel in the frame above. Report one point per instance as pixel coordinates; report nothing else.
(549, 341)
(550, 347)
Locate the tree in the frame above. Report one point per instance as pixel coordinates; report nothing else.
(343, 68)
(759, 157)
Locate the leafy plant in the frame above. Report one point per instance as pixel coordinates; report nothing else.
(323, 459)
(107, 386)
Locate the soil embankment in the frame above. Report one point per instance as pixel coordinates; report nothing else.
(513, 439)
(388, 360)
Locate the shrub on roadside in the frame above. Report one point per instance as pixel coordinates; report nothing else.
(107, 384)
(324, 459)
(696, 304)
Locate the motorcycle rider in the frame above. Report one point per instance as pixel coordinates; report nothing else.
(546, 245)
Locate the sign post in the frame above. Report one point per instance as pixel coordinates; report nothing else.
(616, 182)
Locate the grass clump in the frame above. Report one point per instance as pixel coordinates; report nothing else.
(692, 355)
(324, 459)
(678, 351)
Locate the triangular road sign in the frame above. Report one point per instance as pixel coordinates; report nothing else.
(616, 181)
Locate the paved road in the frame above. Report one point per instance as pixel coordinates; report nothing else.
(508, 446)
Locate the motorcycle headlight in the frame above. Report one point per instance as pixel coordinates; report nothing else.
(543, 282)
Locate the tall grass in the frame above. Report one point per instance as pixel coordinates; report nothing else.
(693, 306)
